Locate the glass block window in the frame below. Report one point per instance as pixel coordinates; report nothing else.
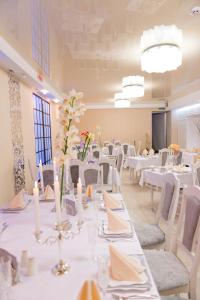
(42, 128)
(40, 35)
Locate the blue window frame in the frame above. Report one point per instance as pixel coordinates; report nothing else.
(42, 128)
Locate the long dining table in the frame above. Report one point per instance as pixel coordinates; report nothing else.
(44, 285)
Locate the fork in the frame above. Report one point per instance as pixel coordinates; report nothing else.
(4, 227)
(136, 297)
(119, 239)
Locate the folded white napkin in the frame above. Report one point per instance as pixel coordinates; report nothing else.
(17, 201)
(49, 193)
(116, 224)
(125, 268)
(110, 202)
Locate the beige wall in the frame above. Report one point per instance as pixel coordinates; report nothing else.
(16, 28)
(124, 124)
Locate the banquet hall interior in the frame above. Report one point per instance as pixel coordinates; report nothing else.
(100, 149)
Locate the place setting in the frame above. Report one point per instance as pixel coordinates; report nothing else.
(18, 203)
(111, 201)
(123, 276)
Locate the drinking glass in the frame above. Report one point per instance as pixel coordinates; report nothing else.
(5, 279)
(103, 274)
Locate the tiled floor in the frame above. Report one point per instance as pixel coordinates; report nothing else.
(139, 205)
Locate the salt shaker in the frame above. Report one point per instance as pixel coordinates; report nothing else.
(31, 267)
(24, 259)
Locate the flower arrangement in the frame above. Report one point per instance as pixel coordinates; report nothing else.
(69, 111)
(82, 150)
(174, 147)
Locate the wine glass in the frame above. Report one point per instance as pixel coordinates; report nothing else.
(103, 274)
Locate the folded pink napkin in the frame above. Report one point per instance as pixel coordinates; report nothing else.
(124, 267)
(116, 223)
(89, 291)
(17, 201)
(110, 202)
(49, 193)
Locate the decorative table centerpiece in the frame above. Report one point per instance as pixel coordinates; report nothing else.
(84, 146)
(70, 112)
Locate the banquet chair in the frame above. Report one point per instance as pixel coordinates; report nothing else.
(110, 149)
(119, 167)
(91, 175)
(48, 175)
(116, 150)
(108, 168)
(175, 271)
(74, 173)
(117, 143)
(164, 155)
(152, 235)
(139, 147)
(106, 143)
(132, 151)
(105, 151)
(94, 146)
(125, 148)
(178, 158)
(196, 173)
(96, 153)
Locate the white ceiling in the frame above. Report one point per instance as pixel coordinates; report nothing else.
(102, 39)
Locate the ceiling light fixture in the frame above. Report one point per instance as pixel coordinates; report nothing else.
(161, 49)
(56, 100)
(121, 101)
(133, 86)
(43, 91)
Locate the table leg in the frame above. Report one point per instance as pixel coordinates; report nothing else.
(152, 200)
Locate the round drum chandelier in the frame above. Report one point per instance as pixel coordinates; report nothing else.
(133, 86)
(161, 49)
(121, 101)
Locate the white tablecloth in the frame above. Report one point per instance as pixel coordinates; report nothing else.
(44, 285)
(139, 162)
(155, 177)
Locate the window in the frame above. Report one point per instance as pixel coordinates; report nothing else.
(42, 128)
(40, 35)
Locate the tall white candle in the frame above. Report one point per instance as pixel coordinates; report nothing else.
(66, 173)
(79, 199)
(79, 188)
(57, 199)
(54, 169)
(41, 176)
(37, 208)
